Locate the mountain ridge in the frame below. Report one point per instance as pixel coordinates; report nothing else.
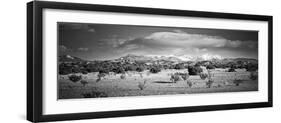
(150, 58)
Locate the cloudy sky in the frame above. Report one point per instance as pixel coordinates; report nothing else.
(105, 41)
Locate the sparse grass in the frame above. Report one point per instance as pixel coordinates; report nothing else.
(216, 81)
(147, 73)
(237, 82)
(94, 94)
(141, 75)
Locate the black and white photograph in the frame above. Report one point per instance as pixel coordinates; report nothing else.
(110, 60)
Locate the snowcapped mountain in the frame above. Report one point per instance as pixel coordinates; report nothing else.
(132, 57)
(200, 58)
(174, 58)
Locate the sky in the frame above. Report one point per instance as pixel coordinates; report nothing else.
(108, 41)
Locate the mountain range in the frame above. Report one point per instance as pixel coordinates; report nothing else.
(132, 57)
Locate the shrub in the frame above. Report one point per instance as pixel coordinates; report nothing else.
(94, 94)
(84, 72)
(155, 70)
(184, 76)
(210, 66)
(76, 70)
(252, 67)
(253, 76)
(118, 70)
(237, 82)
(101, 75)
(139, 69)
(98, 79)
(63, 70)
(104, 71)
(174, 78)
(84, 82)
(194, 70)
(189, 83)
(179, 66)
(142, 85)
(123, 76)
(74, 78)
(203, 76)
(130, 68)
(231, 70)
(209, 83)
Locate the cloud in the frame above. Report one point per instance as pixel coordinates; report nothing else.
(180, 39)
(180, 43)
(83, 49)
(115, 41)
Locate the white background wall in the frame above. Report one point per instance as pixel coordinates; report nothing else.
(13, 61)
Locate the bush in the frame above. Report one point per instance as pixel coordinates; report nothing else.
(118, 70)
(74, 78)
(210, 67)
(184, 76)
(194, 70)
(123, 76)
(237, 82)
(76, 70)
(253, 76)
(231, 70)
(155, 70)
(203, 76)
(179, 66)
(64, 70)
(209, 83)
(84, 82)
(189, 83)
(140, 69)
(142, 85)
(130, 68)
(101, 75)
(252, 67)
(84, 72)
(174, 78)
(104, 70)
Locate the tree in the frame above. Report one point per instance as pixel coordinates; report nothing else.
(155, 70)
(194, 70)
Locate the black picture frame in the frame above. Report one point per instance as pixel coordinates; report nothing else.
(35, 69)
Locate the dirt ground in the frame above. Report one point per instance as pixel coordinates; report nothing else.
(156, 84)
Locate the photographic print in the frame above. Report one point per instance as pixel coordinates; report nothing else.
(110, 60)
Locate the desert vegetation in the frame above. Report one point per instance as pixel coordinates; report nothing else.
(96, 79)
